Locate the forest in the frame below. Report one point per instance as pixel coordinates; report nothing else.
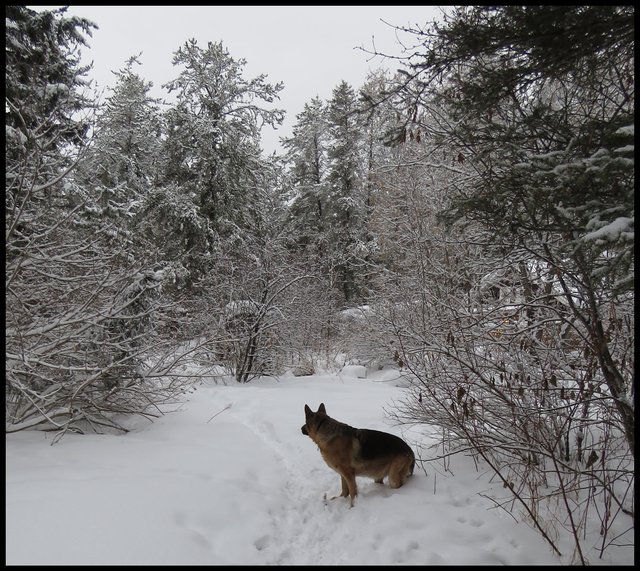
(468, 219)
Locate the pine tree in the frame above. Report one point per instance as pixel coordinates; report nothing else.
(347, 240)
(128, 132)
(306, 153)
(121, 166)
(43, 77)
(45, 126)
(81, 312)
(213, 131)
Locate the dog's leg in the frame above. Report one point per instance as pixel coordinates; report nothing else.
(349, 487)
(399, 472)
(345, 489)
(350, 477)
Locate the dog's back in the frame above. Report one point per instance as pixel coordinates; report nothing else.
(377, 444)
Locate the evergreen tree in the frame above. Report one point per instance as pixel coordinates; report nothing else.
(543, 106)
(307, 155)
(80, 312)
(43, 78)
(349, 245)
(45, 128)
(128, 132)
(307, 146)
(213, 131)
(46, 114)
(120, 168)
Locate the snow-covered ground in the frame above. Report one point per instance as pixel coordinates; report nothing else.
(247, 487)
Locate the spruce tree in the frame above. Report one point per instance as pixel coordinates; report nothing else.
(348, 243)
(306, 153)
(44, 79)
(213, 131)
(121, 167)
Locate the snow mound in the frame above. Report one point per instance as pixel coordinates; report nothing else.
(354, 371)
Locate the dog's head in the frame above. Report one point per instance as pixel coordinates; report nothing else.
(313, 419)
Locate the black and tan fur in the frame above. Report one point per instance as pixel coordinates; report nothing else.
(358, 452)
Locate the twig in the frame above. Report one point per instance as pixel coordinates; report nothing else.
(217, 413)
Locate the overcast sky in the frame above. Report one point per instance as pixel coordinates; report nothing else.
(309, 48)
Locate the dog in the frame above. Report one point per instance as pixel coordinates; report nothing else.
(358, 452)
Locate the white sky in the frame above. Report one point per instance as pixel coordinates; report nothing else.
(309, 48)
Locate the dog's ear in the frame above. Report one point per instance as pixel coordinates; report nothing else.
(307, 410)
(321, 409)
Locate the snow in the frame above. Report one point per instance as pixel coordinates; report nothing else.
(625, 149)
(354, 371)
(241, 307)
(229, 478)
(15, 134)
(626, 130)
(613, 230)
(56, 89)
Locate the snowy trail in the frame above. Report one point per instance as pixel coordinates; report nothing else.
(247, 487)
(386, 525)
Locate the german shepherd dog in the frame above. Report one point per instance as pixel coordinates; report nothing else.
(358, 452)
